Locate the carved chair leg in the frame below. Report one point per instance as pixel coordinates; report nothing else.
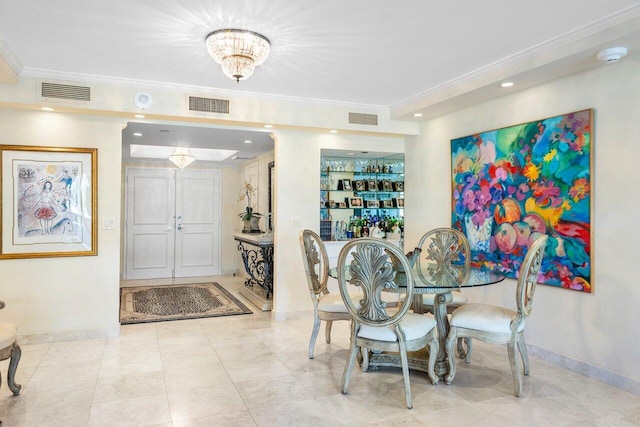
(16, 353)
(327, 331)
(433, 351)
(353, 353)
(449, 343)
(523, 352)
(405, 374)
(516, 369)
(467, 357)
(314, 335)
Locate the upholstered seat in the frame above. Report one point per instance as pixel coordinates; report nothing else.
(9, 348)
(501, 325)
(412, 324)
(373, 266)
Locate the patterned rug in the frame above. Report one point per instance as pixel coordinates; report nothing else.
(176, 302)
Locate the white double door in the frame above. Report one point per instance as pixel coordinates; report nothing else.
(172, 223)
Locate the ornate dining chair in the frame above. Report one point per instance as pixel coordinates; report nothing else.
(445, 246)
(373, 326)
(326, 306)
(499, 325)
(9, 348)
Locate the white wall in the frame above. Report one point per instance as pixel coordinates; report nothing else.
(56, 295)
(595, 333)
(297, 157)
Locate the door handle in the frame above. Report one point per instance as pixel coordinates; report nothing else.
(180, 227)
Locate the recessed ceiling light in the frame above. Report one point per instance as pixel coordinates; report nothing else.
(268, 126)
(417, 114)
(333, 131)
(351, 154)
(137, 134)
(139, 116)
(248, 141)
(47, 109)
(506, 84)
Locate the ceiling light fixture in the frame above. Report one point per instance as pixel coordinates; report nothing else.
(506, 84)
(417, 114)
(139, 116)
(248, 141)
(47, 109)
(268, 126)
(238, 51)
(137, 134)
(181, 158)
(333, 131)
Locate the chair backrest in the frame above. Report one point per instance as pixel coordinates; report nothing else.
(445, 246)
(372, 269)
(315, 260)
(528, 276)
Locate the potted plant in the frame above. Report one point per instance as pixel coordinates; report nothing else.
(250, 218)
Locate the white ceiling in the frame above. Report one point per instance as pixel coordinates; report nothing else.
(407, 55)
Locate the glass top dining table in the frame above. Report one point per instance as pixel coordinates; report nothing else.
(440, 279)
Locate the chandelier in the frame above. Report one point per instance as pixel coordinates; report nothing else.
(239, 51)
(181, 158)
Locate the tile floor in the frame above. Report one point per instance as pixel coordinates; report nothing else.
(249, 371)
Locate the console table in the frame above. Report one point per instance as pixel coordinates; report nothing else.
(257, 256)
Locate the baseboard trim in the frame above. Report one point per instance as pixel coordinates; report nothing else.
(49, 337)
(614, 379)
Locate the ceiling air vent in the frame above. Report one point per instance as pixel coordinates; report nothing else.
(62, 91)
(208, 105)
(363, 119)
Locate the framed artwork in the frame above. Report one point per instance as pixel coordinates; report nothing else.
(372, 185)
(399, 185)
(387, 203)
(372, 204)
(355, 202)
(346, 184)
(49, 201)
(342, 205)
(511, 185)
(359, 185)
(399, 202)
(387, 185)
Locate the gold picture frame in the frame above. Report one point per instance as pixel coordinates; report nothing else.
(48, 201)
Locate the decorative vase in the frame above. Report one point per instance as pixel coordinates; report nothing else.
(479, 237)
(246, 225)
(255, 223)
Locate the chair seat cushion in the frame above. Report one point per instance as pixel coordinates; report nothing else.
(457, 299)
(8, 332)
(484, 317)
(414, 326)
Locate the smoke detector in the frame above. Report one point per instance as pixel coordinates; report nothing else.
(612, 55)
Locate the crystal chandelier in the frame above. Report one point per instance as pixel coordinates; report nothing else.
(181, 158)
(239, 51)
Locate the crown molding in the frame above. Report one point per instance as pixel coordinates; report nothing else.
(9, 57)
(615, 26)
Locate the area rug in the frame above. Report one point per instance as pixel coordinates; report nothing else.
(177, 302)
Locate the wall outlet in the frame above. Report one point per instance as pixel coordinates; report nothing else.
(109, 223)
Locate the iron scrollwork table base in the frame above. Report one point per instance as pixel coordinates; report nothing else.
(257, 256)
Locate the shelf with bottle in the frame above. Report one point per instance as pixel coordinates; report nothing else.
(381, 226)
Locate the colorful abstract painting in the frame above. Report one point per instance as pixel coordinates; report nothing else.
(514, 184)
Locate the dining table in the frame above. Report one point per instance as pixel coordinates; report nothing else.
(439, 279)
